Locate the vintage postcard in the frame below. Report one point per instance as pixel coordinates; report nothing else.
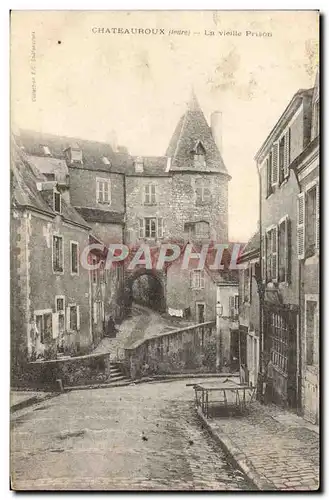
(165, 250)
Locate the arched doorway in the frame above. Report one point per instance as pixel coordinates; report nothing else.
(146, 287)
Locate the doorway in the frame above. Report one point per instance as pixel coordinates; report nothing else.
(200, 312)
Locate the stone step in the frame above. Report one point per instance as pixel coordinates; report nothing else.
(116, 378)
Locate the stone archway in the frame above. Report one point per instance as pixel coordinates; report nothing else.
(146, 287)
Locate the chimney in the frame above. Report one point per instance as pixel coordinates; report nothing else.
(113, 140)
(139, 164)
(216, 129)
(168, 164)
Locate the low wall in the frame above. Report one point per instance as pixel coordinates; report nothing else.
(79, 370)
(187, 350)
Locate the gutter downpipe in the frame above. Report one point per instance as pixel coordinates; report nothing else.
(299, 336)
(261, 292)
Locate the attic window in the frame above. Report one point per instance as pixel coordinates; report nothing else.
(46, 150)
(199, 155)
(106, 161)
(57, 201)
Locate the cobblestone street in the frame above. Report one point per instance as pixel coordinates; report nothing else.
(143, 436)
(280, 447)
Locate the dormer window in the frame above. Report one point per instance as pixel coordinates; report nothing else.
(139, 164)
(106, 161)
(46, 150)
(199, 155)
(57, 202)
(73, 154)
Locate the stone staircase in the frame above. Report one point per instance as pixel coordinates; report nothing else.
(117, 375)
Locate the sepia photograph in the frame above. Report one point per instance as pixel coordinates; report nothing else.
(165, 250)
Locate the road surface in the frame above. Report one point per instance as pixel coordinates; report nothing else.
(137, 437)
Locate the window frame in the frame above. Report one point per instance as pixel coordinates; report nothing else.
(148, 194)
(56, 271)
(69, 307)
(201, 280)
(312, 298)
(159, 228)
(42, 313)
(201, 186)
(312, 185)
(287, 253)
(74, 243)
(102, 181)
(57, 193)
(271, 229)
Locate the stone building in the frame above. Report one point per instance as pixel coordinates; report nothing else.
(50, 310)
(307, 169)
(280, 248)
(118, 198)
(248, 305)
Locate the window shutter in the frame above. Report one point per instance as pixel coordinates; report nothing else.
(153, 193)
(201, 279)
(95, 312)
(275, 166)
(301, 226)
(275, 253)
(317, 217)
(286, 153)
(78, 318)
(146, 194)
(160, 228)
(55, 323)
(288, 251)
(141, 228)
(68, 318)
(97, 190)
(263, 259)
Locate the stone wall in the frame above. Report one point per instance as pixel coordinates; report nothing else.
(83, 189)
(190, 349)
(75, 371)
(186, 209)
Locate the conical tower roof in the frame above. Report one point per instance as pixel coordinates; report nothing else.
(192, 129)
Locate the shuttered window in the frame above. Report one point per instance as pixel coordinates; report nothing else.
(160, 228)
(275, 165)
(301, 225)
(141, 228)
(272, 254)
(284, 249)
(73, 317)
(263, 259)
(317, 217)
(286, 160)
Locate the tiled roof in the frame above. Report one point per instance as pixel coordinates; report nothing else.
(152, 165)
(24, 190)
(102, 216)
(191, 128)
(48, 165)
(92, 151)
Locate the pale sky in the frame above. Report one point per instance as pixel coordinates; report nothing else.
(137, 85)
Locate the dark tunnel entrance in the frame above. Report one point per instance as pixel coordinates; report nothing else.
(147, 290)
